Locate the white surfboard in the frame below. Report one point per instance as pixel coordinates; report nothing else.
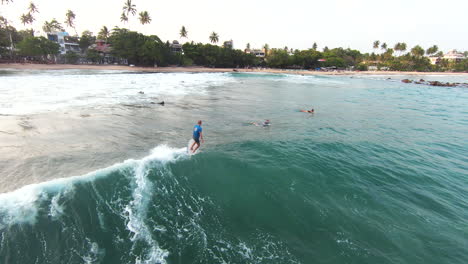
(191, 141)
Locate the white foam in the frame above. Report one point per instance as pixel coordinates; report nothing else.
(35, 92)
(21, 206)
(137, 209)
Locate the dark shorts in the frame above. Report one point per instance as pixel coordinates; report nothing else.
(197, 140)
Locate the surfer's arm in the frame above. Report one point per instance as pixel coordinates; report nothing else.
(201, 137)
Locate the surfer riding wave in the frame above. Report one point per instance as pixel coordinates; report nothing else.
(197, 135)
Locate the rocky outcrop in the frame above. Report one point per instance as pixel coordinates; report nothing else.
(436, 83)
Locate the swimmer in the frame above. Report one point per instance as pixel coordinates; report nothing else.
(265, 123)
(311, 111)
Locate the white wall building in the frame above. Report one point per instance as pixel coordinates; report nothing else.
(259, 53)
(66, 42)
(452, 55)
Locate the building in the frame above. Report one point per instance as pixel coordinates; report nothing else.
(259, 53)
(101, 46)
(434, 60)
(228, 44)
(105, 56)
(67, 43)
(452, 55)
(175, 47)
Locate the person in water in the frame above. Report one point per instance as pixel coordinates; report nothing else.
(265, 123)
(197, 135)
(308, 111)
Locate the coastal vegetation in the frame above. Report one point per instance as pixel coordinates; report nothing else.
(149, 50)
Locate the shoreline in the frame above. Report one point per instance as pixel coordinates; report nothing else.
(19, 66)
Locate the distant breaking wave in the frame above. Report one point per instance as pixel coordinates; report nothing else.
(38, 91)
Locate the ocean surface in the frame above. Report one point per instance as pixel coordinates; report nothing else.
(93, 170)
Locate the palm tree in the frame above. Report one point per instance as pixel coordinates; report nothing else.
(129, 8)
(376, 44)
(314, 46)
(32, 8)
(432, 50)
(104, 33)
(51, 26)
(247, 46)
(123, 17)
(7, 1)
(400, 47)
(417, 51)
(145, 17)
(403, 46)
(214, 37)
(183, 32)
(266, 47)
(384, 46)
(26, 18)
(70, 20)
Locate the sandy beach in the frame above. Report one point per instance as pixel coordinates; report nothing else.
(204, 69)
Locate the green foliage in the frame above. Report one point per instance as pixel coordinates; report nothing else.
(432, 50)
(71, 57)
(214, 56)
(86, 40)
(52, 26)
(361, 67)
(461, 66)
(139, 49)
(104, 33)
(186, 61)
(417, 51)
(279, 58)
(93, 55)
(37, 46)
(309, 59)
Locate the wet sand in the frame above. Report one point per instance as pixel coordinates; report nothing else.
(205, 69)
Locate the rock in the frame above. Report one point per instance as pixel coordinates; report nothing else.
(421, 80)
(407, 81)
(141, 92)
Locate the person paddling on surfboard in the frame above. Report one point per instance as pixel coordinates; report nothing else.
(197, 135)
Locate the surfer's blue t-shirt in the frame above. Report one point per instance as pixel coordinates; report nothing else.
(196, 131)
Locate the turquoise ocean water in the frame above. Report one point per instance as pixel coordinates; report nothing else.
(379, 174)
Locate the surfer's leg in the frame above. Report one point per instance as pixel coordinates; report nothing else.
(198, 145)
(193, 144)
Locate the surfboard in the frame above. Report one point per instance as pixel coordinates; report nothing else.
(188, 147)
